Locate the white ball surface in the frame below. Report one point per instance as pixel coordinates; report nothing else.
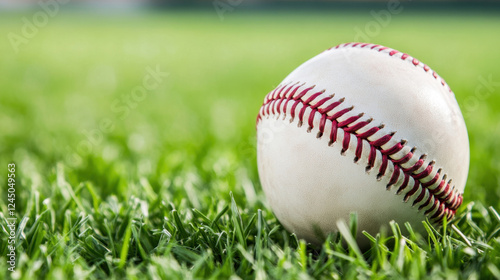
(361, 128)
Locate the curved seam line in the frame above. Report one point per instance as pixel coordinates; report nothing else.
(392, 52)
(447, 200)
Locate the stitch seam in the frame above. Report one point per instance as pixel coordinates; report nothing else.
(395, 53)
(430, 190)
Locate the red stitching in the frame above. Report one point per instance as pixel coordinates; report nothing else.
(383, 166)
(415, 167)
(413, 191)
(331, 106)
(445, 200)
(347, 122)
(278, 93)
(434, 205)
(394, 177)
(359, 149)
(301, 113)
(405, 183)
(345, 142)
(339, 114)
(372, 156)
(278, 106)
(429, 198)
(333, 133)
(439, 188)
(382, 140)
(432, 181)
(424, 173)
(444, 192)
(394, 149)
(322, 123)
(293, 92)
(311, 119)
(356, 126)
(321, 102)
(439, 213)
(404, 159)
(302, 93)
(392, 52)
(281, 100)
(310, 99)
(369, 132)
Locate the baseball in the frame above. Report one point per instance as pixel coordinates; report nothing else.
(361, 128)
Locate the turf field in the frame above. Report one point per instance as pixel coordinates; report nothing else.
(133, 139)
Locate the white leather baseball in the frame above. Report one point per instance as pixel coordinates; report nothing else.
(361, 128)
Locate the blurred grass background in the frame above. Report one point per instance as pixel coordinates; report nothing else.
(65, 80)
(192, 139)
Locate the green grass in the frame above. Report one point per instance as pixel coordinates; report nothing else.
(172, 191)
